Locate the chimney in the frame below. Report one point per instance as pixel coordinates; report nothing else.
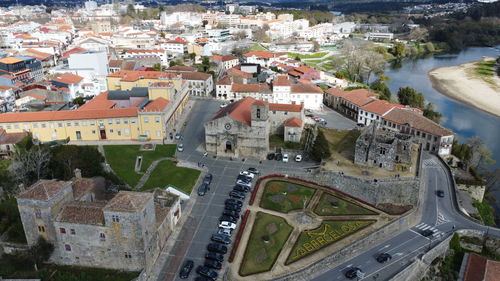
(78, 173)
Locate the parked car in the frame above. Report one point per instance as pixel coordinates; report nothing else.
(208, 179)
(186, 269)
(225, 231)
(427, 233)
(315, 117)
(221, 238)
(383, 257)
(247, 174)
(309, 115)
(219, 248)
(244, 178)
(223, 105)
(178, 136)
(354, 272)
(231, 213)
(233, 201)
(202, 190)
(205, 271)
(214, 256)
(279, 157)
(232, 208)
(226, 224)
(244, 183)
(202, 278)
(285, 158)
(237, 194)
(440, 193)
(180, 147)
(298, 158)
(240, 188)
(228, 219)
(253, 171)
(271, 156)
(212, 264)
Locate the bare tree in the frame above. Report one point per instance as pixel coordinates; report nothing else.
(419, 34)
(28, 165)
(360, 60)
(374, 63)
(480, 153)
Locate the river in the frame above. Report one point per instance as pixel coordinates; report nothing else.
(464, 120)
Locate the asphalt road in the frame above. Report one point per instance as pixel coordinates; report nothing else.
(439, 214)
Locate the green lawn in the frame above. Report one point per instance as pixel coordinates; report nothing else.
(10, 221)
(122, 159)
(330, 205)
(486, 212)
(167, 173)
(278, 141)
(285, 196)
(269, 235)
(328, 233)
(307, 56)
(257, 48)
(486, 68)
(342, 141)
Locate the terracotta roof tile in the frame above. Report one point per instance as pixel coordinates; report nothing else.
(240, 110)
(181, 68)
(246, 88)
(379, 107)
(492, 271)
(293, 122)
(416, 121)
(44, 190)
(158, 104)
(13, 117)
(285, 107)
(115, 63)
(73, 51)
(10, 60)
(12, 138)
(68, 78)
(475, 268)
(282, 80)
(82, 186)
(303, 88)
(237, 72)
(359, 97)
(226, 80)
(82, 212)
(128, 201)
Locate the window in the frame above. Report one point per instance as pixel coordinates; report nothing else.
(84, 123)
(52, 125)
(133, 121)
(110, 122)
(35, 125)
(125, 121)
(72, 231)
(102, 236)
(16, 126)
(41, 228)
(62, 230)
(68, 124)
(92, 123)
(60, 124)
(111, 130)
(157, 119)
(93, 132)
(119, 132)
(146, 120)
(258, 112)
(158, 133)
(115, 218)
(76, 124)
(38, 213)
(286, 113)
(147, 133)
(117, 121)
(127, 131)
(26, 127)
(67, 247)
(274, 111)
(128, 255)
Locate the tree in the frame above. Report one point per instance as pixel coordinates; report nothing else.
(419, 34)
(408, 96)
(316, 46)
(429, 47)
(79, 101)
(381, 88)
(398, 50)
(30, 165)
(41, 252)
(321, 147)
(130, 10)
(161, 8)
(374, 63)
(430, 113)
(480, 153)
(240, 35)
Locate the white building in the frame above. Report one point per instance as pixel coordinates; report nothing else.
(175, 46)
(264, 58)
(162, 55)
(379, 36)
(90, 5)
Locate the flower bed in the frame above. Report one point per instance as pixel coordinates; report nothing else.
(238, 236)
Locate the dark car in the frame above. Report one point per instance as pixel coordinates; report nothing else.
(309, 115)
(353, 272)
(241, 188)
(214, 256)
(205, 271)
(202, 190)
(231, 213)
(221, 238)
(244, 179)
(208, 178)
(213, 264)
(237, 194)
(279, 157)
(383, 257)
(427, 232)
(270, 156)
(214, 247)
(233, 202)
(186, 269)
(202, 278)
(253, 171)
(440, 193)
(232, 208)
(228, 218)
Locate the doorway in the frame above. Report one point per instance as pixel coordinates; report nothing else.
(78, 135)
(229, 146)
(103, 134)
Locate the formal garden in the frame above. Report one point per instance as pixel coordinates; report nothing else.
(295, 223)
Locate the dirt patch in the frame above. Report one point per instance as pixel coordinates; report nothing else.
(261, 256)
(278, 198)
(275, 188)
(394, 209)
(271, 228)
(295, 198)
(291, 188)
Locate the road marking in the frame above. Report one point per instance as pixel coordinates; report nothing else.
(425, 228)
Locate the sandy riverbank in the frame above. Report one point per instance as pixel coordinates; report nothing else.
(460, 83)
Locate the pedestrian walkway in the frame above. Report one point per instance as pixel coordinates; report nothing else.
(419, 228)
(148, 172)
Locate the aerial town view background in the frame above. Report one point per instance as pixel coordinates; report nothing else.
(249, 140)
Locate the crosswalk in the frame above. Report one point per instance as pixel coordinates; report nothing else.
(430, 163)
(441, 219)
(423, 226)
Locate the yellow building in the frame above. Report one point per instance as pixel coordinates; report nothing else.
(131, 110)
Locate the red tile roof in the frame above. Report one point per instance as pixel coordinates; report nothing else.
(82, 212)
(263, 54)
(99, 102)
(37, 54)
(416, 121)
(73, 51)
(238, 72)
(303, 88)
(44, 189)
(240, 110)
(115, 63)
(285, 107)
(475, 268)
(282, 80)
(128, 201)
(379, 107)
(492, 271)
(181, 68)
(246, 88)
(293, 122)
(11, 138)
(359, 97)
(133, 75)
(226, 80)
(158, 104)
(13, 117)
(68, 78)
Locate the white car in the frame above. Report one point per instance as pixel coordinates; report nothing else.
(247, 174)
(180, 147)
(285, 158)
(223, 105)
(240, 182)
(228, 225)
(298, 158)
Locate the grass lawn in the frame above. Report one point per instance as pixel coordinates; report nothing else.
(486, 212)
(277, 141)
(330, 205)
(342, 141)
(167, 173)
(285, 196)
(10, 221)
(257, 48)
(269, 235)
(485, 68)
(307, 56)
(122, 159)
(328, 233)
